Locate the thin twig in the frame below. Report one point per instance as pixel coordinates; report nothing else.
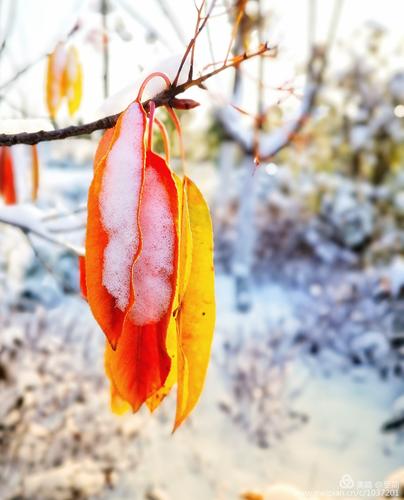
(164, 98)
(259, 120)
(192, 42)
(198, 22)
(240, 8)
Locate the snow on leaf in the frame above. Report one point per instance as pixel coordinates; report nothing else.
(113, 238)
(140, 364)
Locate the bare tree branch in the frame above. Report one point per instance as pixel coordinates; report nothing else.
(164, 98)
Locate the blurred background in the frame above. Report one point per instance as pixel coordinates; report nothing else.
(300, 155)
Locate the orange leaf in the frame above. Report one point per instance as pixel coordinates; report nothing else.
(103, 146)
(140, 364)
(196, 315)
(55, 80)
(82, 274)
(7, 181)
(113, 239)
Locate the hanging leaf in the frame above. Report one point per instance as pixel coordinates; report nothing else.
(196, 315)
(148, 273)
(82, 275)
(113, 237)
(7, 180)
(184, 267)
(118, 405)
(140, 364)
(73, 80)
(55, 80)
(35, 172)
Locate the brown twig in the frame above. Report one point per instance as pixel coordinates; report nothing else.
(193, 41)
(164, 98)
(198, 21)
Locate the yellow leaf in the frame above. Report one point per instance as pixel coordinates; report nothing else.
(196, 314)
(55, 79)
(185, 254)
(74, 80)
(184, 269)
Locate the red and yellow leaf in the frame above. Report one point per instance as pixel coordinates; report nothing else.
(113, 239)
(140, 364)
(171, 346)
(184, 269)
(196, 315)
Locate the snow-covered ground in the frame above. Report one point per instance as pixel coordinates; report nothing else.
(297, 392)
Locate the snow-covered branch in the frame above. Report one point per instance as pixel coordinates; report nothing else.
(29, 220)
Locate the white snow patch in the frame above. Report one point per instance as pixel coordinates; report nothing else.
(119, 203)
(151, 272)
